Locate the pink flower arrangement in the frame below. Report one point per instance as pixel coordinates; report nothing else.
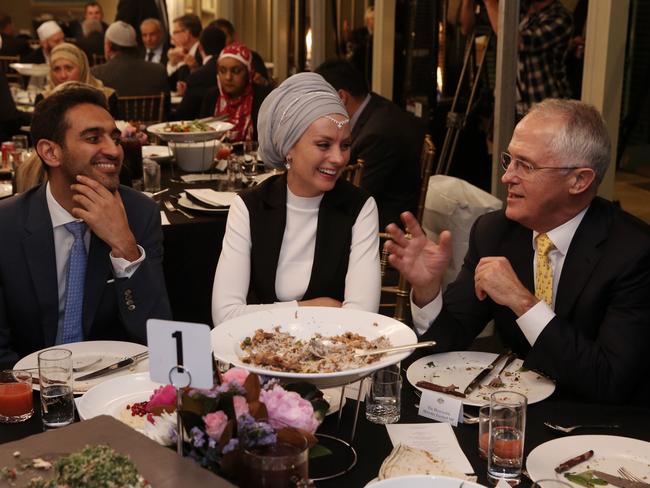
(235, 374)
(215, 424)
(288, 408)
(164, 396)
(241, 406)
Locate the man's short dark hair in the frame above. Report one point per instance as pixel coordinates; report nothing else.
(342, 75)
(93, 4)
(213, 40)
(190, 22)
(5, 20)
(49, 121)
(224, 24)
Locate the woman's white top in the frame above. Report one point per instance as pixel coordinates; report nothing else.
(231, 280)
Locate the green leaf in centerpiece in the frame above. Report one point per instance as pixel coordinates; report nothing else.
(319, 450)
(586, 478)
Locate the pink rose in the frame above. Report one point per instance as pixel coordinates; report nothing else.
(235, 374)
(241, 405)
(215, 423)
(162, 397)
(288, 408)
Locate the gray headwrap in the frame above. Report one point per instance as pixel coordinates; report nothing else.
(289, 110)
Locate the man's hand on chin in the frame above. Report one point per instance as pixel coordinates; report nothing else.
(494, 277)
(104, 213)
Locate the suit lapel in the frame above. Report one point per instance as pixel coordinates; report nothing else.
(98, 271)
(41, 262)
(581, 259)
(363, 118)
(519, 251)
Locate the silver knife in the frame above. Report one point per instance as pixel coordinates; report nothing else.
(622, 482)
(484, 372)
(113, 367)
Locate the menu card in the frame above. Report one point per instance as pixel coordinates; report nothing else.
(438, 439)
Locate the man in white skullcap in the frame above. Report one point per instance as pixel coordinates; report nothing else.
(49, 35)
(124, 70)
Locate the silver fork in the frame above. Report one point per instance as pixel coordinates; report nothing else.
(571, 428)
(629, 475)
(170, 206)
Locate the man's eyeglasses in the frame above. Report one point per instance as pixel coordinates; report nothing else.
(525, 169)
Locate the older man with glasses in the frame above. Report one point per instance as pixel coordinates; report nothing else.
(564, 274)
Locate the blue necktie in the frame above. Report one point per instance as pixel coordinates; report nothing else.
(74, 290)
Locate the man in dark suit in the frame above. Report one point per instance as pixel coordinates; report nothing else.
(133, 12)
(154, 41)
(185, 56)
(388, 139)
(564, 274)
(81, 256)
(92, 12)
(125, 71)
(50, 35)
(211, 42)
(12, 44)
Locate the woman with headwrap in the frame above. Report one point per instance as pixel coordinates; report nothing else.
(235, 94)
(69, 63)
(304, 237)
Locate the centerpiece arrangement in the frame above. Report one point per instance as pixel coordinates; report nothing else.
(243, 417)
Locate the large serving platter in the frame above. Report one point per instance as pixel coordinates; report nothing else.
(610, 453)
(423, 481)
(218, 129)
(303, 323)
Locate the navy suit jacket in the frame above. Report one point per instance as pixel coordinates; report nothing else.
(596, 346)
(113, 309)
(198, 83)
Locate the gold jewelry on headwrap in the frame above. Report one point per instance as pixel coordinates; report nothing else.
(339, 123)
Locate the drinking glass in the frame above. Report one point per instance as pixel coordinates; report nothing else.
(383, 396)
(16, 401)
(151, 175)
(277, 466)
(506, 439)
(55, 379)
(483, 430)
(20, 142)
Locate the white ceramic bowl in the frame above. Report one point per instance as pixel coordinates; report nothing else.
(217, 130)
(195, 156)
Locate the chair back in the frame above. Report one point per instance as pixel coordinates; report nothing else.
(12, 75)
(98, 59)
(426, 167)
(354, 172)
(147, 109)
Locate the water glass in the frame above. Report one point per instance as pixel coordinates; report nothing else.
(506, 439)
(55, 379)
(20, 142)
(16, 400)
(151, 175)
(383, 396)
(483, 430)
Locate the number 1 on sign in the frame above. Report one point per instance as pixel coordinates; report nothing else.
(178, 335)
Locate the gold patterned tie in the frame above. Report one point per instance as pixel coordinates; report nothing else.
(544, 275)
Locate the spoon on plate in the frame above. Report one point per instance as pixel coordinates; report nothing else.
(321, 348)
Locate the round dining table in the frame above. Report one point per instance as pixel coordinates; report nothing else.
(372, 443)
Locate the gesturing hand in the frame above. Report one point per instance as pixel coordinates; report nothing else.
(421, 261)
(104, 213)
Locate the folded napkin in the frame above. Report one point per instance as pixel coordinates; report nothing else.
(404, 460)
(192, 177)
(212, 198)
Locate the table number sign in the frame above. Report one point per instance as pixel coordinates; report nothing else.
(175, 347)
(443, 408)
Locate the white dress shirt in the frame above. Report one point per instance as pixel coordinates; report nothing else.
(531, 323)
(63, 241)
(231, 281)
(157, 54)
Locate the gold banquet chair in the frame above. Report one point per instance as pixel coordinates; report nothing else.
(145, 109)
(402, 289)
(12, 75)
(354, 172)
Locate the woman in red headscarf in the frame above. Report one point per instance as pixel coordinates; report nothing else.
(235, 94)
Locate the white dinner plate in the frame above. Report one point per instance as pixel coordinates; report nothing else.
(112, 396)
(303, 323)
(610, 453)
(190, 205)
(31, 69)
(422, 481)
(459, 368)
(156, 152)
(218, 128)
(86, 352)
